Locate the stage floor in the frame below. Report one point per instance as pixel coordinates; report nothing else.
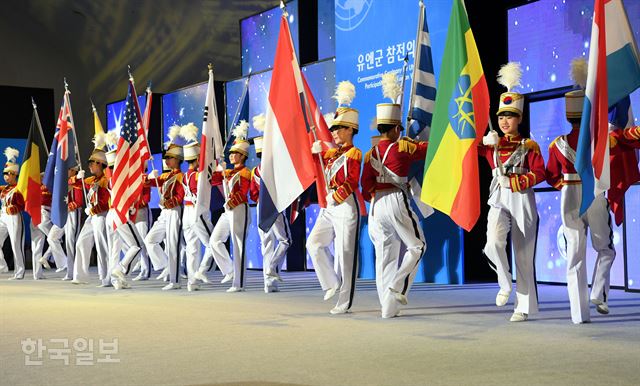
(446, 335)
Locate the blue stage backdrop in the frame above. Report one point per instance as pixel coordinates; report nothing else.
(373, 37)
(326, 29)
(259, 36)
(546, 35)
(632, 230)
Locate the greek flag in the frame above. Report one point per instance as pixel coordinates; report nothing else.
(421, 102)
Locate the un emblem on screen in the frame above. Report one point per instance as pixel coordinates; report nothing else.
(351, 13)
(461, 109)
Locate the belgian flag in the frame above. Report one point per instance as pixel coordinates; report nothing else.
(29, 181)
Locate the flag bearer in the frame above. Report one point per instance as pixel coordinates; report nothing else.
(39, 234)
(517, 166)
(11, 221)
(275, 242)
(168, 226)
(392, 222)
(71, 230)
(94, 229)
(235, 220)
(339, 222)
(141, 217)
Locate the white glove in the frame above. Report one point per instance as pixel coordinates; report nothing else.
(316, 148)
(491, 139)
(330, 200)
(222, 165)
(504, 181)
(153, 175)
(80, 174)
(87, 211)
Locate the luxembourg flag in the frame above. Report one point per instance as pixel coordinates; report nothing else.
(613, 74)
(287, 163)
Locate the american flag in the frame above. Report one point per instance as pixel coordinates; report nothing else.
(133, 151)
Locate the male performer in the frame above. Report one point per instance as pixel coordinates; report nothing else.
(275, 242)
(517, 166)
(392, 222)
(11, 222)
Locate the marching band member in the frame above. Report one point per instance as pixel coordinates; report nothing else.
(141, 217)
(392, 222)
(168, 226)
(71, 230)
(39, 234)
(275, 242)
(197, 231)
(517, 166)
(339, 222)
(235, 220)
(11, 221)
(94, 229)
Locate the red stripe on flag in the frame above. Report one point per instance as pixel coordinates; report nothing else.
(601, 103)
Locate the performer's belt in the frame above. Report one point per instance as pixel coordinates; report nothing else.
(387, 179)
(571, 177)
(514, 170)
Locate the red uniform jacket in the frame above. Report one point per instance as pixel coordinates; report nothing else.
(254, 187)
(75, 195)
(240, 189)
(533, 161)
(99, 198)
(12, 200)
(191, 180)
(402, 154)
(46, 196)
(343, 184)
(174, 193)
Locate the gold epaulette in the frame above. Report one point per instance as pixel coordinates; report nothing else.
(245, 173)
(532, 145)
(407, 145)
(367, 156)
(554, 142)
(330, 153)
(354, 153)
(253, 172)
(613, 142)
(165, 175)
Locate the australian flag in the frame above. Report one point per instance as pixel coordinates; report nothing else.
(61, 158)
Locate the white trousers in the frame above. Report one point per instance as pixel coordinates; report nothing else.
(197, 232)
(234, 223)
(70, 232)
(38, 235)
(393, 224)
(598, 220)
(274, 245)
(93, 232)
(142, 224)
(340, 225)
(12, 225)
(167, 228)
(500, 222)
(124, 239)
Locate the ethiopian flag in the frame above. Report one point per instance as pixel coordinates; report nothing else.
(29, 182)
(451, 183)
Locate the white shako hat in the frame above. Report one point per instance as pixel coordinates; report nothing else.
(191, 150)
(11, 166)
(389, 113)
(574, 99)
(240, 144)
(172, 149)
(510, 101)
(345, 115)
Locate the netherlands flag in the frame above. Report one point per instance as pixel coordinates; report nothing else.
(287, 163)
(613, 73)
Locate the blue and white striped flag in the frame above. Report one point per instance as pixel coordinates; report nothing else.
(421, 102)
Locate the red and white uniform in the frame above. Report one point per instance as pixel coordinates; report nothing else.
(234, 222)
(392, 222)
(94, 230)
(338, 223)
(562, 175)
(513, 209)
(168, 226)
(39, 233)
(12, 225)
(71, 230)
(275, 242)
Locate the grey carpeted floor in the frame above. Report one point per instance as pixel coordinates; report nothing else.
(446, 335)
